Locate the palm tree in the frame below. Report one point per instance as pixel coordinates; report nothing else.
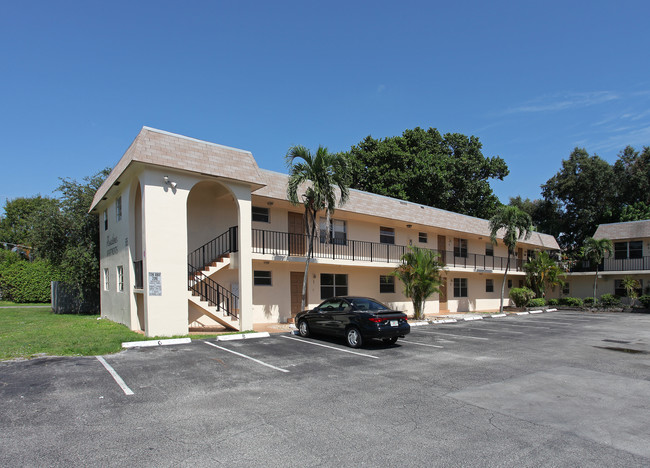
(631, 286)
(594, 250)
(419, 272)
(543, 272)
(516, 225)
(320, 173)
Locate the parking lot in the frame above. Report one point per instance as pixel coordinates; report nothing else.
(555, 389)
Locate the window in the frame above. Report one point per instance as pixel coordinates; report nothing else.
(489, 285)
(509, 283)
(386, 284)
(120, 278)
(489, 249)
(624, 250)
(386, 235)
(337, 231)
(260, 214)
(106, 281)
(333, 285)
(521, 283)
(422, 237)
(460, 247)
(105, 220)
(118, 208)
(262, 278)
(566, 289)
(460, 287)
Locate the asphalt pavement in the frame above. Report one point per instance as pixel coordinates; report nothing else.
(554, 389)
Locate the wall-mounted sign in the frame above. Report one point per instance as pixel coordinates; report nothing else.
(155, 283)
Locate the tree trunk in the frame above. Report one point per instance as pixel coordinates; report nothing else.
(503, 284)
(310, 233)
(595, 280)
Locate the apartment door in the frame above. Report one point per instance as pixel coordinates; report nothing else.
(444, 307)
(296, 292)
(520, 259)
(297, 236)
(442, 247)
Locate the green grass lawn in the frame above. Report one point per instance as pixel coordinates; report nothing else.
(27, 332)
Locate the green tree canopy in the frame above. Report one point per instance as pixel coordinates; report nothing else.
(585, 193)
(422, 166)
(17, 224)
(595, 250)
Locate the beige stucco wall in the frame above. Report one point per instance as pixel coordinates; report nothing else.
(114, 251)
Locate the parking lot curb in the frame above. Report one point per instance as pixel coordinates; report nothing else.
(243, 336)
(521, 313)
(445, 321)
(150, 343)
(498, 315)
(469, 319)
(551, 310)
(536, 312)
(418, 323)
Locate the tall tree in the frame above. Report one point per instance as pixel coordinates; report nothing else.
(544, 214)
(594, 251)
(515, 225)
(422, 166)
(632, 172)
(585, 191)
(17, 224)
(321, 174)
(68, 236)
(419, 272)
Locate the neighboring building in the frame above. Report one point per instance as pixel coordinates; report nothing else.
(194, 234)
(631, 257)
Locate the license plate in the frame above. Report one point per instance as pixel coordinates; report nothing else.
(393, 323)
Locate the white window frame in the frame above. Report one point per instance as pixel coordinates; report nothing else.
(120, 278)
(118, 208)
(107, 282)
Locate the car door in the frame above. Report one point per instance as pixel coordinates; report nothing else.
(339, 318)
(320, 318)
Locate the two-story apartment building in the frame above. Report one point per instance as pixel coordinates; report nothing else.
(195, 234)
(631, 257)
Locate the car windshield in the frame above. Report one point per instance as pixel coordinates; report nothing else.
(361, 303)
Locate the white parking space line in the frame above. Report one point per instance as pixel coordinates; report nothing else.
(421, 344)
(451, 334)
(554, 321)
(330, 347)
(247, 357)
(116, 376)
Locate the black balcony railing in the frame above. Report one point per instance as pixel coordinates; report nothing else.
(296, 245)
(212, 292)
(137, 273)
(215, 249)
(614, 264)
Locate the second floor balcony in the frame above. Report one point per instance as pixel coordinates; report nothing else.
(296, 245)
(614, 265)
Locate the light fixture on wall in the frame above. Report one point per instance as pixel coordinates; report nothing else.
(169, 182)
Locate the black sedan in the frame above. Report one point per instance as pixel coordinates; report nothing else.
(355, 318)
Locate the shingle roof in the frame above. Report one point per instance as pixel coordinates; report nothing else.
(628, 230)
(392, 208)
(166, 149)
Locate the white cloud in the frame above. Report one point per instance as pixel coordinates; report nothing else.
(563, 101)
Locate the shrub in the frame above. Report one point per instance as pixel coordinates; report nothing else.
(521, 296)
(571, 301)
(589, 301)
(537, 302)
(553, 302)
(645, 300)
(24, 281)
(609, 300)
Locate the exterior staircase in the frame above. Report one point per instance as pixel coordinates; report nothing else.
(216, 301)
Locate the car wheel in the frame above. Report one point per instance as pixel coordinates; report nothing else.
(303, 328)
(353, 337)
(390, 341)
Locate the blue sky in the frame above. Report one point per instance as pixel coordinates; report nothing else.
(532, 80)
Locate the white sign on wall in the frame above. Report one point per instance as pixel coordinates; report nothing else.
(155, 283)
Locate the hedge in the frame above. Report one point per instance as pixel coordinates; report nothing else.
(537, 302)
(25, 281)
(609, 300)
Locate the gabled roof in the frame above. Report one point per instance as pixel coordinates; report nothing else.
(627, 230)
(392, 208)
(161, 148)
